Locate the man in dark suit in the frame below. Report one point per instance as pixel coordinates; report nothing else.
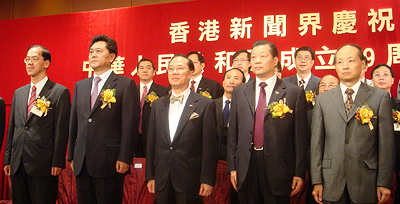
(38, 133)
(103, 127)
(241, 60)
(199, 83)
(382, 77)
(182, 142)
(352, 161)
(146, 72)
(232, 78)
(266, 145)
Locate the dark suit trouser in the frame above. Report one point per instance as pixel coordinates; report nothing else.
(169, 196)
(98, 190)
(255, 188)
(28, 189)
(345, 199)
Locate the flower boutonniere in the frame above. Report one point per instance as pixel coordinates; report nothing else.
(364, 115)
(43, 105)
(151, 97)
(279, 109)
(396, 116)
(310, 97)
(107, 96)
(206, 94)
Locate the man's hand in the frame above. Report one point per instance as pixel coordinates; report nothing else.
(383, 194)
(151, 186)
(234, 180)
(56, 171)
(122, 167)
(205, 189)
(72, 165)
(296, 185)
(317, 193)
(7, 170)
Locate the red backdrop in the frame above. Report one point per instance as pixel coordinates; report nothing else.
(145, 31)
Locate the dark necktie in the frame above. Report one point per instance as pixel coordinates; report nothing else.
(225, 112)
(32, 100)
(95, 92)
(141, 108)
(302, 83)
(192, 86)
(258, 136)
(349, 101)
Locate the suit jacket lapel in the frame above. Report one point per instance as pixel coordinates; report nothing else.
(278, 93)
(110, 84)
(250, 93)
(312, 83)
(202, 85)
(294, 80)
(362, 95)
(24, 101)
(164, 112)
(337, 99)
(218, 106)
(190, 107)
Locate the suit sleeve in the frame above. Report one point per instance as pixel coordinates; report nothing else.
(150, 146)
(61, 125)
(2, 121)
(73, 126)
(317, 143)
(232, 134)
(130, 122)
(209, 159)
(301, 135)
(10, 134)
(386, 143)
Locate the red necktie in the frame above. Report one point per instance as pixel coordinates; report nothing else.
(32, 100)
(141, 108)
(258, 136)
(192, 86)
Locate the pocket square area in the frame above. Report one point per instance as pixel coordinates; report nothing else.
(193, 116)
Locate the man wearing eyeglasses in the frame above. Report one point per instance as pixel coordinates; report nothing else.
(182, 143)
(199, 83)
(241, 60)
(327, 83)
(37, 133)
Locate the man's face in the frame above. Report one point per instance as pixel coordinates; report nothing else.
(232, 79)
(262, 62)
(198, 67)
(304, 61)
(349, 65)
(180, 76)
(40, 66)
(382, 78)
(241, 62)
(327, 83)
(99, 56)
(145, 71)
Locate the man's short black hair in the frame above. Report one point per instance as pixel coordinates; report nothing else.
(111, 45)
(382, 65)
(45, 52)
(359, 52)
(145, 60)
(243, 78)
(200, 57)
(189, 62)
(305, 48)
(273, 49)
(279, 67)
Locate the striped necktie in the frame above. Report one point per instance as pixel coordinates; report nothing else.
(32, 100)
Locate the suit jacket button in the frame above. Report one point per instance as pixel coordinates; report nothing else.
(90, 120)
(347, 141)
(26, 127)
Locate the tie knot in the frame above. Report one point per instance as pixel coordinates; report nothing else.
(193, 82)
(33, 88)
(176, 98)
(145, 88)
(263, 84)
(97, 79)
(349, 91)
(227, 102)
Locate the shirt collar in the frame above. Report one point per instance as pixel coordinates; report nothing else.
(39, 86)
(197, 79)
(270, 81)
(148, 85)
(355, 88)
(103, 76)
(307, 79)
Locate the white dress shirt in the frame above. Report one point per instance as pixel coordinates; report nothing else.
(103, 80)
(268, 89)
(175, 112)
(39, 86)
